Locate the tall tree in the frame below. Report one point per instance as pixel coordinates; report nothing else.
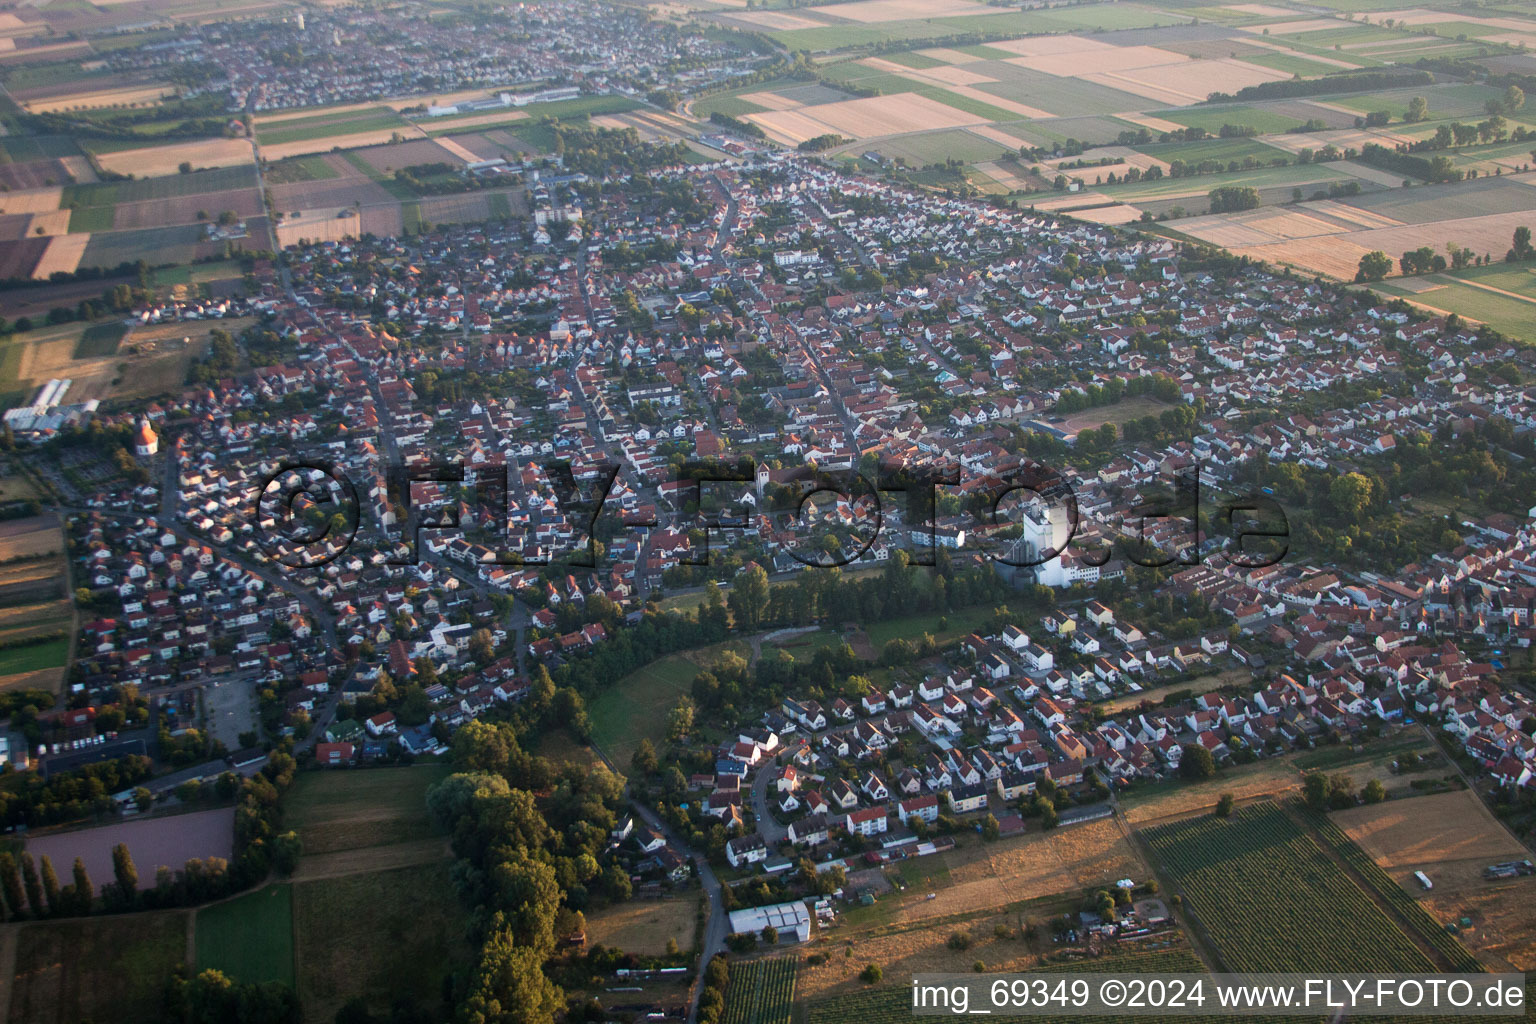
(85, 892)
(56, 905)
(10, 886)
(126, 873)
(34, 890)
(509, 985)
(749, 598)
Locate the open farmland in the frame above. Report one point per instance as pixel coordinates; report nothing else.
(1027, 867)
(249, 938)
(382, 936)
(1330, 237)
(356, 810)
(1271, 900)
(761, 992)
(1502, 296)
(156, 161)
(98, 968)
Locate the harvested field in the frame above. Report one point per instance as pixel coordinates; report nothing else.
(1035, 46)
(1181, 84)
(1430, 832)
(908, 952)
(62, 254)
(324, 226)
(644, 926)
(300, 147)
(777, 20)
(477, 121)
(266, 118)
(865, 118)
(30, 537)
(123, 96)
(1035, 865)
(458, 151)
(153, 161)
(1503, 916)
(389, 159)
(1081, 63)
(37, 200)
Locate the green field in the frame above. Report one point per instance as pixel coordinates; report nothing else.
(100, 340)
(249, 938)
(1266, 122)
(1444, 101)
(761, 992)
(178, 244)
(23, 148)
(1515, 317)
(384, 936)
(91, 218)
(97, 969)
(33, 657)
(299, 168)
(322, 807)
(1291, 65)
(935, 147)
(500, 205)
(1271, 900)
(1086, 18)
(320, 126)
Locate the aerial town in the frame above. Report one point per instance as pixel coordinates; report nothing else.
(502, 518)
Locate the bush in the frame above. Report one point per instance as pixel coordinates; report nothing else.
(960, 940)
(871, 974)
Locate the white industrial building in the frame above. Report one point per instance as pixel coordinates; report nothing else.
(785, 917)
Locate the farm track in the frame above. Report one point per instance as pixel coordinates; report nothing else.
(1403, 924)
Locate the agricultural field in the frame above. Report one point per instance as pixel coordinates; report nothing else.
(1504, 299)
(1027, 867)
(341, 811)
(99, 968)
(643, 926)
(384, 936)
(1271, 900)
(1330, 236)
(761, 992)
(249, 938)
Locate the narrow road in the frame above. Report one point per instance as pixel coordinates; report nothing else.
(715, 927)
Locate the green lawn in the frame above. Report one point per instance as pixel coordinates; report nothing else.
(383, 936)
(249, 938)
(966, 620)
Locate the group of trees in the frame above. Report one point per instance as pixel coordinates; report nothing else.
(1335, 792)
(1233, 198)
(212, 998)
(529, 864)
(33, 890)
